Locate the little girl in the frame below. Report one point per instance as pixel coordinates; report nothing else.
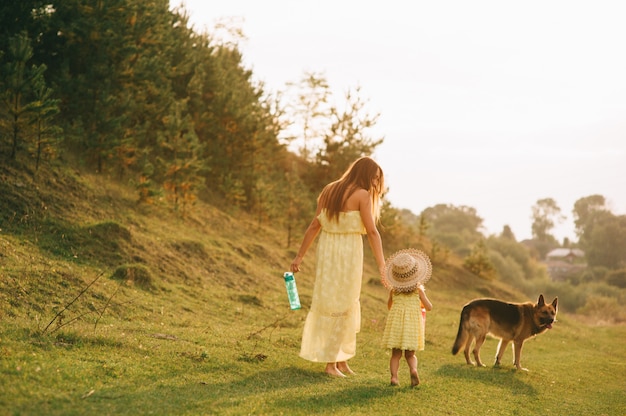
(406, 271)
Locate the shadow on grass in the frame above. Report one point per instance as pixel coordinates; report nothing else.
(354, 397)
(500, 377)
(290, 391)
(283, 378)
(300, 391)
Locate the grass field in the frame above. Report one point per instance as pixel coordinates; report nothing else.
(190, 317)
(178, 362)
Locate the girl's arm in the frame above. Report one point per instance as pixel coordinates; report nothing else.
(390, 300)
(425, 301)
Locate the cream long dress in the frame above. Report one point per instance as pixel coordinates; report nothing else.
(334, 319)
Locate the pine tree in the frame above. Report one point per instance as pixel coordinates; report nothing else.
(91, 40)
(17, 84)
(46, 133)
(180, 148)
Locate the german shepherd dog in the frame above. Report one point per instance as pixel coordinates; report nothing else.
(508, 321)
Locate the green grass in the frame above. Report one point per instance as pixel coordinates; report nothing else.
(212, 332)
(164, 363)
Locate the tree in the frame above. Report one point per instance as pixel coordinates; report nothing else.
(544, 215)
(157, 41)
(45, 109)
(299, 204)
(478, 261)
(331, 137)
(606, 246)
(401, 228)
(512, 251)
(423, 228)
(17, 83)
(585, 210)
(234, 124)
(347, 139)
(180, 148)
(92, 46)
(457, 227)
(20, 16)
(308, 116)
(507, 233)
(602, 235)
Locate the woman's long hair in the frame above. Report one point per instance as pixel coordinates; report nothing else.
(360, 175)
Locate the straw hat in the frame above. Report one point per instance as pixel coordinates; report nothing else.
(406, 269)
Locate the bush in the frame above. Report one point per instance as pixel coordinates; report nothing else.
(136, 274)
(617, 278)
(570, 297)
(507, 268)
(603, 309)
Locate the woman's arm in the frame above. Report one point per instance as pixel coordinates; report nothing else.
(390, 300)
(373, 236)
(309, 236)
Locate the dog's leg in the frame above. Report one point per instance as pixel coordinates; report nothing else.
(517, 345)
(501, 348)
(479, 342)
(468, 344)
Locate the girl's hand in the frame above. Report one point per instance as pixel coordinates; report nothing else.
(426, 304)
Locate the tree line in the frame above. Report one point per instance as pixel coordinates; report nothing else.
(131, 90)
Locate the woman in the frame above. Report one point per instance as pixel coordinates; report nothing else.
(346, 209)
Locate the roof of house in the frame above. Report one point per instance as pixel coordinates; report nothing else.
(565, 252)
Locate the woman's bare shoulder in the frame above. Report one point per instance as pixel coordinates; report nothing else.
(360, 193)
(356, 199)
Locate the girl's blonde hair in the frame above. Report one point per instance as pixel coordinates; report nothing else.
(360, 175)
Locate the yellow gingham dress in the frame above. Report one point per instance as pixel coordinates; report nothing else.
(404, 328)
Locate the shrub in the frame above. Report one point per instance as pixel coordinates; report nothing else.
(137, 274)
(617, 278)
(603, 309)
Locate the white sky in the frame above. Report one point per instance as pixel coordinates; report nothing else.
(488, 104)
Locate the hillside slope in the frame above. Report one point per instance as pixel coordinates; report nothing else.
(63, 229)
(109, 307)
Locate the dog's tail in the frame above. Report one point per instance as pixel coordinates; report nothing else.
(462, 334)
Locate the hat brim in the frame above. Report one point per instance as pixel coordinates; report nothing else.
(424, 271)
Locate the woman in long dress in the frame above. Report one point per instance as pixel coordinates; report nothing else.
(346, 209)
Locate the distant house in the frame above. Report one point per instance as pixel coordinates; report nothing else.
(570, 255)
(564, 262)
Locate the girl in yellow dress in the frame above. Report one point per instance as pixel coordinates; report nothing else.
(406, 271)
(346, 209)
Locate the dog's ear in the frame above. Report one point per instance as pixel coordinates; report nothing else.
(555, 301)
(541, 302)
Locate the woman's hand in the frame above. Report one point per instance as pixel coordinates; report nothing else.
(295, 264)
(381, 270)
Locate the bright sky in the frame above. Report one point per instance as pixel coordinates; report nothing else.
(487, 104)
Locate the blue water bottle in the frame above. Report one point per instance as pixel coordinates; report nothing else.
(292, 290)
